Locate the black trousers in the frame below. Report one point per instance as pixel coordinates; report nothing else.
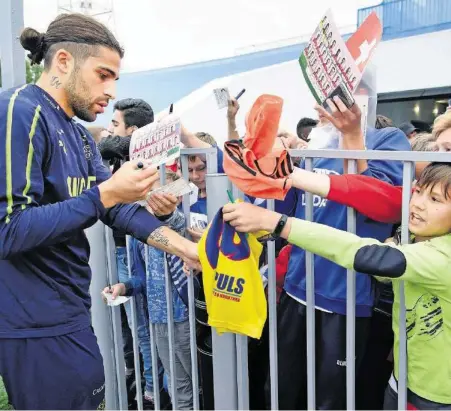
(375, 368)
(330, 334)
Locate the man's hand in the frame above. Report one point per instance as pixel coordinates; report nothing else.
(195, 233)
(162, 204)
(116, 290)
(249, 218)
(191, 256)
(127, 185)
(292, 141)
(345, 120)
(232, 108)
(348, 122)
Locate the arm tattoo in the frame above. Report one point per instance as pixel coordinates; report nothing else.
(55, 82)
(158, 237)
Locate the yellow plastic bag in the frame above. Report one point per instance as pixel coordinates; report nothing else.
(233, 285)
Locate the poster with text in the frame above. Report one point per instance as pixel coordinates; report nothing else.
(332, 67)
(157, 143)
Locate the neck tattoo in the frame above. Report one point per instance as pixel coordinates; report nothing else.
(55, 82)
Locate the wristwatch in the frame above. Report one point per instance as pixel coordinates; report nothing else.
(280, 226)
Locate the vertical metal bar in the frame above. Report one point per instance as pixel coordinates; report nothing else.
(350, 311)
(134, 329)
(242, 371)
(402, 355)
(171, 335)
(310, 300)
(224, 346)
(100, 313)
(153, 348)
(11, 52)
(170, 310)
(272, 301)
(242, 363)
(117, 324)
(191, 297)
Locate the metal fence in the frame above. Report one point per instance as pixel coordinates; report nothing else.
(401, 18)
(230, 365)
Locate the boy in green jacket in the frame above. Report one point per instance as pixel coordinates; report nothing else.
(424, 266)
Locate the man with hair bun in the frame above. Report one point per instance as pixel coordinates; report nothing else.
(53, 185)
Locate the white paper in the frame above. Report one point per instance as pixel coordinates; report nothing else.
(198, 221)
(158, 142)
(194, 194)
(177, 188)
(222, 97)
(327, 64)
(117, 301)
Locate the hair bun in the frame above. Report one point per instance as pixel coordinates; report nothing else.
(33, 41)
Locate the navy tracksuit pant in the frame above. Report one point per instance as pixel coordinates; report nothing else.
(53, 373)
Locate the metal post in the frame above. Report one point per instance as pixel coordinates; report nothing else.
(272, 301)
(242, 357)
(170, 310)
(224, 346)
(191, 297)
(100, 313)
(134, 329)
(402, 354)
(11, 52)
(242, 345)
(350, 311)
(115, 313)
(310, 300)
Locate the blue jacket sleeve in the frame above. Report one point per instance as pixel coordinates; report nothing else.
(387, 139)
(24, 223)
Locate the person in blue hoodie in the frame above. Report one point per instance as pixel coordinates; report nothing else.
(53, 185)
(330, 279)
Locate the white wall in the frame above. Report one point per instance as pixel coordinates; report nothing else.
(411, 63)
(199, 111)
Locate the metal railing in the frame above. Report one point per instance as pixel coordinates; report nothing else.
(402, 18)
(230, 367)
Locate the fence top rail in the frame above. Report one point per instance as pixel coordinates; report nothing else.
(197, 151)
(429, 156)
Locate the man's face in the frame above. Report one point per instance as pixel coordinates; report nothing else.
(92, 84)
(429, 212)
(118, 127)
(197, 170)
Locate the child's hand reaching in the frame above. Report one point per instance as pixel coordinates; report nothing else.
(116, 290)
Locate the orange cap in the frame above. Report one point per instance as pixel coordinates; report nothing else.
(255, 166)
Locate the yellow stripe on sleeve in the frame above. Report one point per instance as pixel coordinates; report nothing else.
(37, 113)
(9, 174)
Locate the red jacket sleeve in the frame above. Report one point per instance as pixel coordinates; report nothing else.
(374, 198)
(281, 268)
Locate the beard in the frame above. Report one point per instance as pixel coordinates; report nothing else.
(78, 97)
